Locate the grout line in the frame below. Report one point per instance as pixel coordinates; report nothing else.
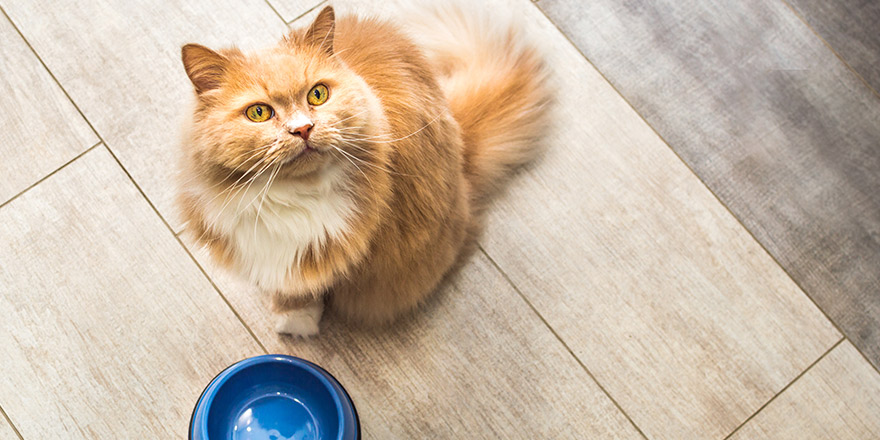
(718, 199)
(182, 245)
(836, 344)
(307, 12)
(49, 175)
(828, 45)
(865, 357)
(11, 425)
(125, 170)
(275, 10)
(559, 338)
(219, 292)
(52, 75)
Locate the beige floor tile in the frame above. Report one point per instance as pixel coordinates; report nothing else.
(40, 130)
(120, 62)
(476, 363)
(6, 432)
(109, 329)
(291, 9)
(839, 398)
(307, 10)
(662, 294)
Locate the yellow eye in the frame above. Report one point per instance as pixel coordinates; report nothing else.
(318, 95)
(259, 112)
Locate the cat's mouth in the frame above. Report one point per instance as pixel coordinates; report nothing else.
(306, 151)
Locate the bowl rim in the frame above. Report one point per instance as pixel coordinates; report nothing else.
(327, 380)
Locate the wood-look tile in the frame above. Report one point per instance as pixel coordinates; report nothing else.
(660, 292)
(291, 9)
(6, 432)
(109, 328)
(850, 27)
(40, 130)
(778, 128)
(475, 363)
(664, 296)
(839, 398)
(120, 62)
(306, 10)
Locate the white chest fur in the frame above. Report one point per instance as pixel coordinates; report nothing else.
(270, 228)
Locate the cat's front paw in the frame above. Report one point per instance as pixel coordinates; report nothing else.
(300, 322)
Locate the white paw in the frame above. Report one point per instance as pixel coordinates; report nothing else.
(300, 322)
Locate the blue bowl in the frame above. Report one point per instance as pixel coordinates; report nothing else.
(274, 397)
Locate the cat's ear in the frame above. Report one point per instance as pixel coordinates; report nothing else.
(204, 67)
(320, 33)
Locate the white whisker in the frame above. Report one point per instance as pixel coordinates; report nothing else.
(345, 119)
(370, 164)
(255, 153)
(339, 52)
(368, 139)
(265, 192)
(231, 196)
(348, 157)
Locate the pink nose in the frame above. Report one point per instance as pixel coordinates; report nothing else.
(303, 131)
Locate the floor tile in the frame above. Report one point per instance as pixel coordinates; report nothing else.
(662, 294)
(304, 11)
(850, 27)
(838, 398)
(6, 431)
(291, 9)
(778, 128)
(475, 362)
(109, 329)
(120, 62)
(40, 129)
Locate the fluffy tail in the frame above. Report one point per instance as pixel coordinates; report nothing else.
(497, 89)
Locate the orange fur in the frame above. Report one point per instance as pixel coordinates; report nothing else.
(419, 143)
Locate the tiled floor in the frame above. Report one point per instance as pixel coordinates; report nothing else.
(614, 294)
(776, 125)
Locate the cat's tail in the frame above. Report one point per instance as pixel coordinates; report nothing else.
(497, 88)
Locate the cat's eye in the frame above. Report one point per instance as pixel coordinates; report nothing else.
(318, 95)
(259, 112)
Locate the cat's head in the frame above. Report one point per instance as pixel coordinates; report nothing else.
(294, 107)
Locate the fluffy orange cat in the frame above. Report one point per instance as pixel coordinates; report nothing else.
(349, 164)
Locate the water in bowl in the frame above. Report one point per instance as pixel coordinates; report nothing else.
(275, 417)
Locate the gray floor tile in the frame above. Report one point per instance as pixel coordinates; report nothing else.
(851, 28)
(778, 128)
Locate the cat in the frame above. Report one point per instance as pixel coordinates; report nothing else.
(350, 164)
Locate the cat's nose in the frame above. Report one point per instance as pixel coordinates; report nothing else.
(302, 131)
